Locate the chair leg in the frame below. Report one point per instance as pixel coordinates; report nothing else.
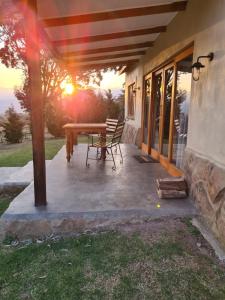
(114, 164)
(120, 154)
(97, 153)
(88, 148)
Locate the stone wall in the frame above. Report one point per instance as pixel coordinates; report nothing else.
(131, 135)
(207, 187)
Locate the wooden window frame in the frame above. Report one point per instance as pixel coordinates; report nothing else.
(171, 62)
(146, 147)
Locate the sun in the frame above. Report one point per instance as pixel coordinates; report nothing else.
(68, 89)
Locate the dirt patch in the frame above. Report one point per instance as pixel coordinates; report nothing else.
(178, 230)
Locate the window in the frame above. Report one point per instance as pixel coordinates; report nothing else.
(131, 100)
(165, 130)
(181, 108)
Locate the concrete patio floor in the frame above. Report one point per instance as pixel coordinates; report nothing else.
(81, 198)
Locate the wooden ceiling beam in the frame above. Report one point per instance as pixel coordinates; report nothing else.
(116, 14)
(102, 65)
(107, 49)
(105, 57)
(109, 36)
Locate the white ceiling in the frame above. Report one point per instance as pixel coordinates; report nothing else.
(48, 9)
(60, 8)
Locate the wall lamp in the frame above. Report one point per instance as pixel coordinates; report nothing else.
(197, 66)
(135, 89)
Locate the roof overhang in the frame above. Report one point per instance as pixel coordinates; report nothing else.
(96, 34)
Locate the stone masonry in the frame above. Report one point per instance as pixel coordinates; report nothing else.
(132, 135)
(207, 187)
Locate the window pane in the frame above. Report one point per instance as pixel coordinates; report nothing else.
(156, 112)
(169, 76)
(146, 109)
(181, 109)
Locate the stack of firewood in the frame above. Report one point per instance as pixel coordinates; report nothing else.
(171, 188)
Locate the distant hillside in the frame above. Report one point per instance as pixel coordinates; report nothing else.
(115, 92)
(7, 98)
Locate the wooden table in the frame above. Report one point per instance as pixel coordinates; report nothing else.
(73, 129)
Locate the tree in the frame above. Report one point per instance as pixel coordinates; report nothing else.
(114, 105)
(12, 54)
(13, 126)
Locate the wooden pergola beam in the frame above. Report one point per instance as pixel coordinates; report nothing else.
(105, 57)
(37, 105)
(79, 67)
(109, 36)
(116, 14)
(108, 49)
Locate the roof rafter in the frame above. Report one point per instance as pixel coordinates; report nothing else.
(103, 65)
(116, 14)
(105, 57)
(109, 36)
(108, 49)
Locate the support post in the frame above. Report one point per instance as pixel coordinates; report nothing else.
(37, 107)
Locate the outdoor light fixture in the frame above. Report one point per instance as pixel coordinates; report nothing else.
(197, 66)
(135, 89)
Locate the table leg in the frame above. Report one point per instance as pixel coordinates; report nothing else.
(103, 151)
(71, 143)
(75, 138)
(68, 145)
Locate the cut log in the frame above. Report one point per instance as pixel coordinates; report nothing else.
(178, 184)
(171, 194)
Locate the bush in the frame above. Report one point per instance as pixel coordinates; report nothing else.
(55, 119)
(13, 126)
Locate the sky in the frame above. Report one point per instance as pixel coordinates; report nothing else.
(10, 78)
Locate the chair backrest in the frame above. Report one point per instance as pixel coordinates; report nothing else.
(118, 133)
(111, 125)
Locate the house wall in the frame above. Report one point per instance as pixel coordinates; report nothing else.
(132, 131)
(203, 22)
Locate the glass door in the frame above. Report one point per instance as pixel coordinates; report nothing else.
(167, 107)
(146, 112)
(165, 111)
(181, 108)
(156, 113)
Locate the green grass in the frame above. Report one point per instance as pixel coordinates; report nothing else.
(109, 266)
(17, 155)
(191, 229)
(4, 203)
(6, 198)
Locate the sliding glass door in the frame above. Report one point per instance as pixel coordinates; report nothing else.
(165, 112)
(156, 110)
(181, 108)
(167, 107)
(146, 111)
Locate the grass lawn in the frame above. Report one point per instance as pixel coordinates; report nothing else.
(6, 198)
(156, 260)
(17, 155)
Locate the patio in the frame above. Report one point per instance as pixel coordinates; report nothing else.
(81, 198)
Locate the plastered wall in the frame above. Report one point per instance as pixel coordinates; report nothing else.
(203, 22)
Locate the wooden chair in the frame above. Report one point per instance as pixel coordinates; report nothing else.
(111, 142)
(111, 127)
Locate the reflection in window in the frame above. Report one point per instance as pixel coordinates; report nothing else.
(169, 76)
(182, 101)
(156, 112)
(146, 108)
